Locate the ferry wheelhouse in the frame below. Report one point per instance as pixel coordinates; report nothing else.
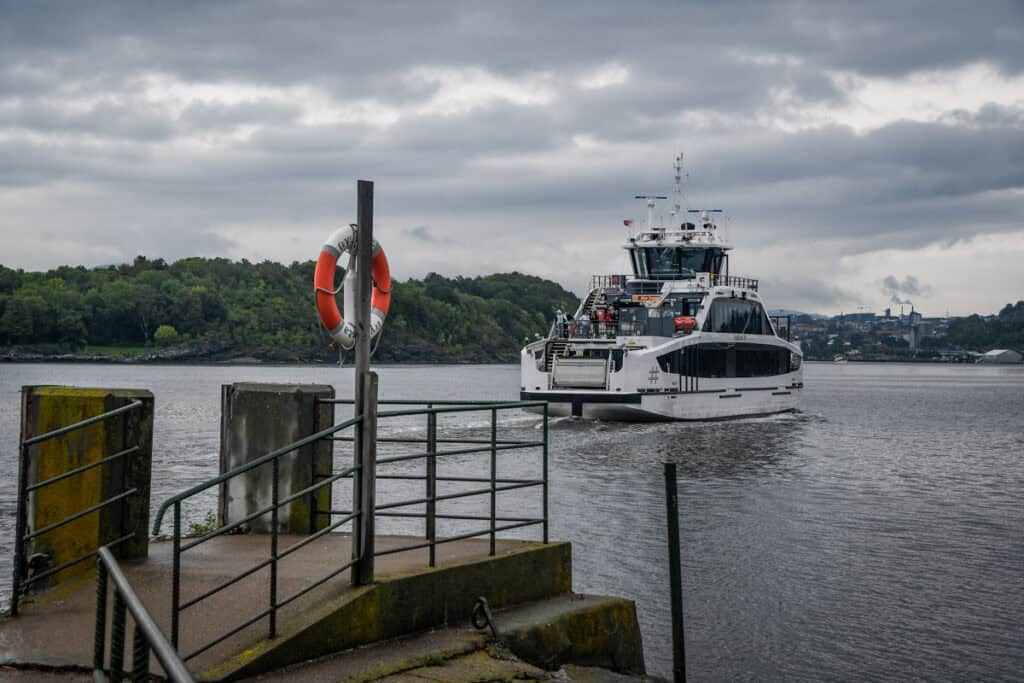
(679, 338)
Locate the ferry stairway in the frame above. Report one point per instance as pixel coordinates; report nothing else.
(588, 303)
(555, 348)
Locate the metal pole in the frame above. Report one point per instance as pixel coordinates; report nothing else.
(675, 574)
(432, 484)
(20, 526)
(176, 575)
(117, 633)
(362, 540)
(545, 472)
(494, 475)
(368, 479)
(100, 638)
(274, 497)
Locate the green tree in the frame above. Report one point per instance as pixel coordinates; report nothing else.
(165, 335)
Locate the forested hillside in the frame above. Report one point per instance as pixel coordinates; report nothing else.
(208, 309)
(1005, 331)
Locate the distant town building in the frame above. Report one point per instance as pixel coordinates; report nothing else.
(1002, 356)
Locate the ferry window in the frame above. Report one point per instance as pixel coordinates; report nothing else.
(669, 362)
(711, 362)
(662, 261)
(754, 362)
(739, 316)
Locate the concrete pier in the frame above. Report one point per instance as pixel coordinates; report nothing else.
(259, 418)
(407, 597)
(47, 408)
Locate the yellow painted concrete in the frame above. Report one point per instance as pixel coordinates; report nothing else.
(56, 408)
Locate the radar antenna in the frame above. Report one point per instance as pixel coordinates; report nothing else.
(651, 199)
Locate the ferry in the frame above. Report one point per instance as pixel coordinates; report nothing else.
(678, 338)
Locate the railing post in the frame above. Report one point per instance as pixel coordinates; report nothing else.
(100, 637)
(20, 525)
(274, 497)
(431, 483)
(176, 575)
(675, 573)
(494, 474)
(363, 569)
(117, 629)
(545, 472)
(140, 656)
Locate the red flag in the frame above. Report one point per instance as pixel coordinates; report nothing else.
(627, 222)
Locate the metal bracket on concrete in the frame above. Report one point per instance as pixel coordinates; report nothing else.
(482, 618)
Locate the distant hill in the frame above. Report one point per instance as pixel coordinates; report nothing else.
(217, 309)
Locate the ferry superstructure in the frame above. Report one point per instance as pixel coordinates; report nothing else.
(678, 338)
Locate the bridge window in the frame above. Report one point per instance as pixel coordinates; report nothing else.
(674, 262)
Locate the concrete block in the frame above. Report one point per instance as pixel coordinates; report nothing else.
(259, 418)
(46, 408)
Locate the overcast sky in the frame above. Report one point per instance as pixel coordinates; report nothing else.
(865, 152)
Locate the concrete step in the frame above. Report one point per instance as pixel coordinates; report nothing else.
(409, 596)
(598, 636)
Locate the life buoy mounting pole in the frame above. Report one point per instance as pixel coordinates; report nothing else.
(343, 241)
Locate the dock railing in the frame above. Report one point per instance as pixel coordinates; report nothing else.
(366, 510)
(181, 545)
(146, 637)
(21, 579)
(494, 484)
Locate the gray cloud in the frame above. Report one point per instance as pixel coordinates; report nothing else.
(214, 129)
(909, 286)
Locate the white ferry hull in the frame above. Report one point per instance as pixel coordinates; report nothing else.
(641, 390)
(671, 407)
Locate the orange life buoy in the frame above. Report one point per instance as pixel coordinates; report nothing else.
(340, 242)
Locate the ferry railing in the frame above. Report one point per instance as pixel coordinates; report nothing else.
(734, 281)
(607, 281)
(21, 579)
(146, 637)
(495, 484)
(181, 545)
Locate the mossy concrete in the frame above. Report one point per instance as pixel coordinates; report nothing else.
(403, 604)
(586, 631)
(552, 627)
(46, 408)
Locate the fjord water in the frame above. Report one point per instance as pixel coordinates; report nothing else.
(878, 533)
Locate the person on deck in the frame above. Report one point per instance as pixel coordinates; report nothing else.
(559, 323)
(585, 325)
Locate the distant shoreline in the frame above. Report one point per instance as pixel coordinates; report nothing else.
(27, 358)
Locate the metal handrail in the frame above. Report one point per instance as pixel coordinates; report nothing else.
(175, 503)
(21, 535)
(83, 423)
(242, 469)
(493, 445)
(147, 635)
(340, 517)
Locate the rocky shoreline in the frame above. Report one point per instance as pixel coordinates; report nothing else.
(221, 353)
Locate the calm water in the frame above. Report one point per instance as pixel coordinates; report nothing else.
(877, 534)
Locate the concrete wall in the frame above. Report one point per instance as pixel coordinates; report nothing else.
(45, 409)
(257, 419)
